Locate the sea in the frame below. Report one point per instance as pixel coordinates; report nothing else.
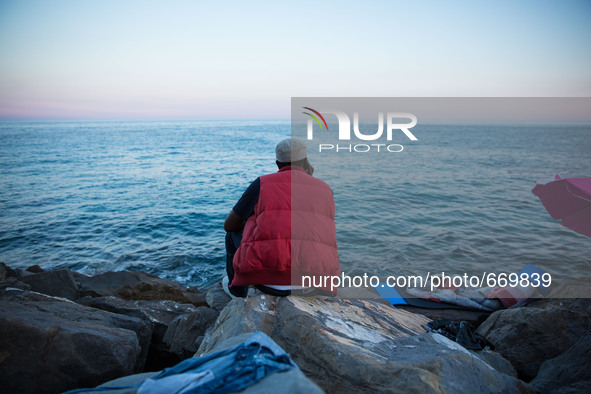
(152, 196)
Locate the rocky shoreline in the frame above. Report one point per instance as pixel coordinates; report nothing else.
(62, 330)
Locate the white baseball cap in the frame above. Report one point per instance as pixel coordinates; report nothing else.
(290, 150)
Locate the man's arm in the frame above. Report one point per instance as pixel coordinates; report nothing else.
(244, 207)
(233, 222)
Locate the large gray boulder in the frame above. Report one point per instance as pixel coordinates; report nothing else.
(528, 336)
(362, 346)
(50, 344)
(567, 373)
(58, 283)
(131, 285)
(160, 314)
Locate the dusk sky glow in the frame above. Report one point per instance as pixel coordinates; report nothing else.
(145, 60)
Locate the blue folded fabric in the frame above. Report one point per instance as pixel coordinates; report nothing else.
(391, 294)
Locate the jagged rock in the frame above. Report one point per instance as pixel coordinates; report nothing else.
(496, 361)
(216, 297)
(36, 269)
(159, 313)
(360, 346)
(528, 336)
(57, 283)
(567, 373)
(185, 332)
(137, 286)
(50, 344)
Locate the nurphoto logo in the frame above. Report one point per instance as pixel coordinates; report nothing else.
(392, 124)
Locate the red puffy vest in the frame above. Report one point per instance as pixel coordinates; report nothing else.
(291, 232)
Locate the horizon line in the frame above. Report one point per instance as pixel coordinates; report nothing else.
(470, 122)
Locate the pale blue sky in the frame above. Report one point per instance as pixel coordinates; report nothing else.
(222, 60)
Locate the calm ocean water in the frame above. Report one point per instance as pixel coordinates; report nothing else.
(152, 196)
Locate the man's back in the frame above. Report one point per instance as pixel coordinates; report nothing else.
(290, 233)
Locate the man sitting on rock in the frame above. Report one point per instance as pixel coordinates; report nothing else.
(281, 229)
